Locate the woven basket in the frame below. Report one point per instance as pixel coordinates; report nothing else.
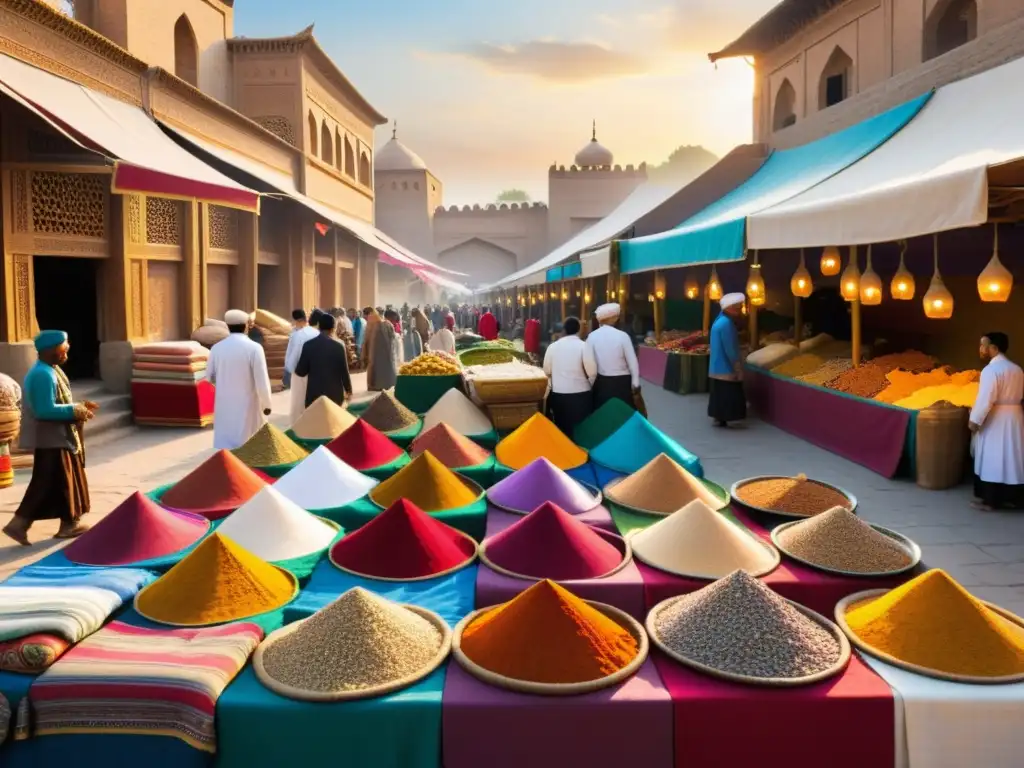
(737, 499)
(491, 391)
(509, 416)
(913, 551)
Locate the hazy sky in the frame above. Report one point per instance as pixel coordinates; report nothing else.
(491, 93)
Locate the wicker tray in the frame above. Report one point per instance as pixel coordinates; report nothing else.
(723, 495)
(593, 490)
(770, 682)
(620, 617)
(459, 567)
(847, 602)
(366, 693)
(734, 493)
(913, 550)
(620, 542)
(497, 391)
(470, 484)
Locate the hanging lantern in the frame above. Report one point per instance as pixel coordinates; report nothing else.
(650, 297)
(755, 284)
(659, 286)
(995, 280)
(565, 295)
(800, 283)
(870, 285)
(691, 289)
(902, 286)
(577, 294)
(586, 298)
(849, 283)
(830, 261)
(714, 286)
(938, 301)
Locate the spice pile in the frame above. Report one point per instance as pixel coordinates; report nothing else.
(740, 626)
(865, 380)
(636, 443)
(458, 412)
(403, 542)
(961, 390)
(827, 371)
(432, 363)
(933, 622)
(428, 484)
(548, 635)
(841, 541)
(549, 543)
(276, 529)
(911, 360)
(449, 447)
(323, 420)
(363, 447)
(323, 481)
(270, 447)
(535, 438)
(791, 495)
(215, 488)
(388, 415)
(602, 424)
(359, 641)
(682, 341)
(216, 582)
(486, 355)
(905, 383)
(660, 486)
(538, 482)
(698, 542)
(801, 365)
(514, 371)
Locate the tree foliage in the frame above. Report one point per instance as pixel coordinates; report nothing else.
(513, 196)
(685, 163)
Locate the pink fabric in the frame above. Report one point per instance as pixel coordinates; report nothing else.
(652, 364)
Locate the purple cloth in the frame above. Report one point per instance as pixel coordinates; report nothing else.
(624, 589)
(538, 482)
(866, 433)
(652, 364)
(626, 725)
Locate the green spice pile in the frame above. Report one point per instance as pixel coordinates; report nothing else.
(840, 540)
(270, 447)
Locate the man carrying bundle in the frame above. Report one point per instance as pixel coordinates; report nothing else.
(997, 427)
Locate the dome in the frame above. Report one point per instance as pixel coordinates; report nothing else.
(395, 156)
(593, 154)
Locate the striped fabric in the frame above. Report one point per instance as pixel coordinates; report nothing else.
(69, 612)
(152, 682)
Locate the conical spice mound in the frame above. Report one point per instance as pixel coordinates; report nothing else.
(602, 423)
(548, 635)
(839, 540)
(638, 441)
(933, 622)
(215, 488)
(428, 484)
(403, 542)
(535, 438)
(698, 542)
(660, 486)
(362, 447)
(460, 413)
(323, 420)
(549, 543)
(359, 641)
(270, 447)
(276, 529)
(323, 481)
(216, 582)
(137, 530)
(449, 447)
(538, 482)
(388, 415)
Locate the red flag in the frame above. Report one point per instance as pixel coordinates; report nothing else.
(321, 228)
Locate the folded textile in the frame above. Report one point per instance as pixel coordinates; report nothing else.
(70, 612)
(188, 382)
(168, 375)
(31, 654)
(198, 365)
(174, 359)
(153, 682)
(176, 348)
(125, 582)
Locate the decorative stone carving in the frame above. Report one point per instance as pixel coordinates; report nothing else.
(163, 221)
(133, 211)
(22, 264)
(278, 125)
(20, 200)
(137, 277)
(70, 203)
(223, 228)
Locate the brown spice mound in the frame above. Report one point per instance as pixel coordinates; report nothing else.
(865, 380)
(911, 360)
(840, 540)
(791, 495)
(388, 415)
(270, 447)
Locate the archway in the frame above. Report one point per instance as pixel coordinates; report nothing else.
(784, 114)
(952, 23)
(836, 79)
(314, 131)
(326, 144)
(186, 51)
(364, 169)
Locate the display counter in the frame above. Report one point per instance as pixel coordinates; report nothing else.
(652, 364)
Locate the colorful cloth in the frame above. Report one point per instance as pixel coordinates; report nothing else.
(154, 682)
(69, 612)
(31, 654)
(5, 718)
(125, 582)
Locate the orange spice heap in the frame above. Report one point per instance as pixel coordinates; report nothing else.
(548, 635)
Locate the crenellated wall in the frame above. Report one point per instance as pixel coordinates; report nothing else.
(491, 241)
(579, 197)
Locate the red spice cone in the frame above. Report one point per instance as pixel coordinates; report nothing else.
(215, 488)
(363, 447)
(453, 450)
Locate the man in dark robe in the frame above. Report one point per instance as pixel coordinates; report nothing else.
(324, 361)
(51, 426)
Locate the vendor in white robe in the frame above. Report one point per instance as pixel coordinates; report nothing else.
(238, 369)
(997, 421)
(297, 392)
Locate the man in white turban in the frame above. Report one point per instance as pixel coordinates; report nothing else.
(618, 372)
(238, 368)
(725, 372)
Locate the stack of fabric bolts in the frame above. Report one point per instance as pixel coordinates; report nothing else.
(169, 386)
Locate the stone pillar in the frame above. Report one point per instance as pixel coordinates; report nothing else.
(367, 276)
(301, 262)
(348, 251)
(193, 252)
(244, 287)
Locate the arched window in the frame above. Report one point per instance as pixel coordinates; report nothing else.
(364, 169)
(784, 114)
(836, 81)
(326, 144)
(952, 23)
(186, 51)
(314, 133)
(350, 159)
(337, 149)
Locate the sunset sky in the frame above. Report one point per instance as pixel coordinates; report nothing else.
(489, 93)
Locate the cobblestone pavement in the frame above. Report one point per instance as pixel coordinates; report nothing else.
(984, 551)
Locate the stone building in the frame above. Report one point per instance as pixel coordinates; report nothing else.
(488, 242)
(118, 252)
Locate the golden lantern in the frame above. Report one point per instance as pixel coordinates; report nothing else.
(755, 285)
(902, 285)
(714, 286)
(578, 294)
(565, 295)
(995, 281)
(650, 297)
(938, 301)
(870, 285)
(586, 298)
(554, 295)
(800, 283)
(849, 283)
(691, 289)
(830, 261)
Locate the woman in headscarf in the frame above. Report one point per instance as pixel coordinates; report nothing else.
(421, 324)
(378, 353)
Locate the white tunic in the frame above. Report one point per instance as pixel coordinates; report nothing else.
(442, 341)
(297, 391)
(570, 364)
(238, 368)
(999, 445)
(614, 353)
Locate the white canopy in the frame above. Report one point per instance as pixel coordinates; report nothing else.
(932, 176)
(597, 262)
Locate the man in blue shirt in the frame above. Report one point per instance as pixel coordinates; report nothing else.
(725, 372)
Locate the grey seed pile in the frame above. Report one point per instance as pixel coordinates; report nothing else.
(739, 625)
(828, 371)
(840, 540)
(359, 641)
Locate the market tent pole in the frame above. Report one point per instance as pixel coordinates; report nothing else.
(855, 327)
(752, 325)
(798, 322)
(659, 303)
(706, 317)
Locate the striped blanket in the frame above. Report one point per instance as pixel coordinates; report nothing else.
(69, 612)
(153, 682)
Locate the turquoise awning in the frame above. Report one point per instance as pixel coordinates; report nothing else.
(718, 233)
(553, 275)
(569, 271)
